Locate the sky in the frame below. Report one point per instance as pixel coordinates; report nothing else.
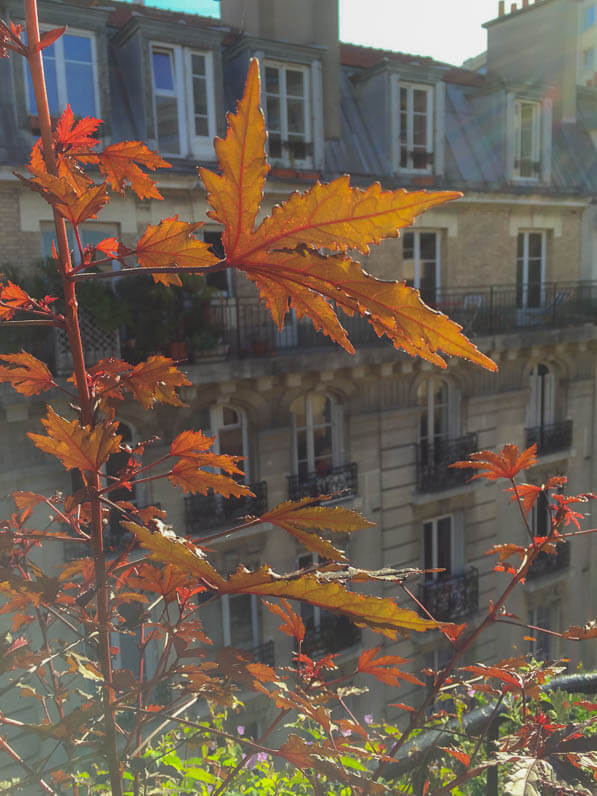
(448, 30)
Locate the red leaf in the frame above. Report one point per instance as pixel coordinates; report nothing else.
(76, 135)
(506, 464)
(458, 754)
(384, 668)
(49, 37)
(292, 624)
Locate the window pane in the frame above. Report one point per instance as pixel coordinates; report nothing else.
(198, 64)
(231, 442)
(297, 147)
(167, 124)
(200, 96)
(297, 408)
(230, 416)
(420, 131)
(241, 620)
(296, 116)
(275, 145)
(419, 101)
(428, 245)
(428, 548)
(77, 48)
(321, 407)
(444, 546)
(301, 445)
(272, 80)
(273, 113)
(408, 246)
(403, 99)
(49, 63)
(295, 83)
(163, 77)
(80, 89)
(201, 126)
(535, 244)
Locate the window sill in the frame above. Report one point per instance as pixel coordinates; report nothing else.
(302, 173)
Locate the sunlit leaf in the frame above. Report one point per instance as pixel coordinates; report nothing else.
(27, 375)
(120, 162)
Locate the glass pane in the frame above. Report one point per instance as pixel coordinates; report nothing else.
(534, 285)
(403, 128)
(520, 246)
(241, 621)
(428, 245)
(444, 546)
(428, 283)
(535, 244)
(231, 442)
(163, 77)
(322, 443)
(201, 129)
(297, 147)
(301, 445)
(80, 89)
(273, 113)
(428, 549)
(321, 407)
(420, 159)
(198, 64)
(295, 83)
(49, 63)
(200, 96)
(275, 145)
(419, 101)
(408, 246)
(419, 131)
(167, 124)
(297, 408)
(296, 116)
(230, 416)
(272, 80)
(519, 284)
(77, 48)
(203, 420)
(403, 99)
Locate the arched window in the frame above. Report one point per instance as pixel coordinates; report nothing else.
(440, 417)
(229, 428)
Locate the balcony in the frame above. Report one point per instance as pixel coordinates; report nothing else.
(339, 482)
(264, 653)
(551, 438)
(333, 634)
(449, 598)
(433, 470)
(548, 564)
(208, 512)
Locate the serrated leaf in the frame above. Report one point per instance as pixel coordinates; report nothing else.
(27, 500)
(118, 163)
(188, 475)
(12, 298)
(77, 446)
(506, 464)
(61, 192)
(384, 668)
(155, 380)
(292, 624)
(235, 195)
(74, 137)
(171, 242)
(28, 375)
(171, 549)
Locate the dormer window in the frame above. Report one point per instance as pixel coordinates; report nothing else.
(415, 127)
(71, 79)
(527, 140)
(183, 100)
(286, 89)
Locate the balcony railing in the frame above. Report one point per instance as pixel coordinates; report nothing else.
(206, 512)
(551, 438)
(433, 471)
(448, 598)
(264, 653)
(546, 563)
(334, 634)
(337, 482)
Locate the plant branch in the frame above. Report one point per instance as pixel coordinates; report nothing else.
(27, 768)
(165, 269)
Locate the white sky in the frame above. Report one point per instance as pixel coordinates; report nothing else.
(449, 30)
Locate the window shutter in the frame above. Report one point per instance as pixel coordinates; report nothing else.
(512, 135)
(546, 124)
(338, 434)
(457, 543)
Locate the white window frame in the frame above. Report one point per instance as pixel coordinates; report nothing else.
(190, 144)
(397, 127)
(226, 626)
(416, 233)
(216, 423)
(542, 398)
(61, 85)
(525, 266)
(282, 66)
(453, 430)
(457, 564)
(337, 433)
(536, 156)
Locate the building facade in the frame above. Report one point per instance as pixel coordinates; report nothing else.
(513, 261)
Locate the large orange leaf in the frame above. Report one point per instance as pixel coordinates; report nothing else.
(380, 614)
(236, 195)
(186, 473)
(12, 298)
(384, 667)
(171, 242)
(77, 446)
(76, 201)
(27, 374)
(337, 217)
(75, 137)
(118, 163)
(506, 464)
(155, 380)
(171, 549)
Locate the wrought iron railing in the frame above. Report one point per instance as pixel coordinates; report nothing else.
(206, 512)
(433, 470)
(450, 597)
(547, 563)
(264, 653)
(336, 482)
(551, 438)
(333, 634)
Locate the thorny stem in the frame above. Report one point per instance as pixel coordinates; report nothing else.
(71, 321)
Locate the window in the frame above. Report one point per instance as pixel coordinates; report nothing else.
(540, 519)
(588, 19)
(530, 270)
(415, 127)
(228, 427)
(317, 435)
(90, 234)
(541, 409)
(527, 140)
(240, 621)
(183, 100)
(287, 112)
(439, 419)
(543, 646)
(421, 255)
(70, 70)
(442, 548)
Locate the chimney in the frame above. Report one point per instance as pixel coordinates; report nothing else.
(501, 8)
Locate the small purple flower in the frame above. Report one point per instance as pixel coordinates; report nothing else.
(240, 729)
(368, 719)
(345, 733)
(262, 757)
